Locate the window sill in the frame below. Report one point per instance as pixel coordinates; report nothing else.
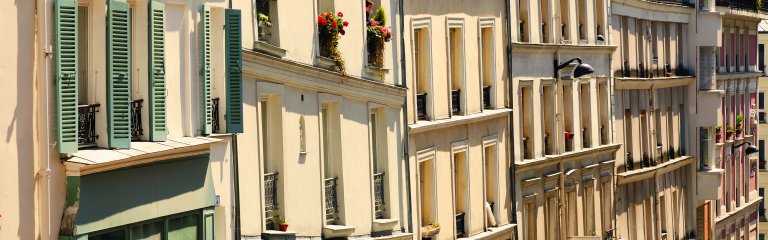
(334, 231)
(326, 63)
(267, 48)
(384, 224)
(375, 73)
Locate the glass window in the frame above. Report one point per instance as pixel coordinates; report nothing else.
(184, 228)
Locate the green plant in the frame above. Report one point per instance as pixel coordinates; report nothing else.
(264, 20)
(380, 16)
(436, 225)
(739, 119)
(729, 129)
(281, 220)
(376, 35)
(718, 128)
(330, 28)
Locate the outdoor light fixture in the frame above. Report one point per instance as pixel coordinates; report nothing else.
(750, 149)
(575, 69)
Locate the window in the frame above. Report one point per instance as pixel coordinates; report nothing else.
(427, 192)
(329, 116)
(564, 28)
(491, 176)
(553, 215)
(704, 148)
(761, 101)
(193, 225)
(523, 30)
(571, 216)
(606, 202)
(456, 62)
(548, 100)
(421, 70)
(546, 22)
(568, 116)
(268, 21)
(526, 117)
(761, 145)
(82, 55)
(488, 61)
(761, 211)
(589, 210)
(603, 105)
(269, 165)
(628, 138)
(461, 191)
(582, 17)
(530, 211)
(378, 141)
(644, 140)
(761, 57)
(586, 116)
(325, 6)
(600, 19)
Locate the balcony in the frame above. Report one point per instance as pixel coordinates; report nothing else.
(270, 192)
(378, 193)
(331, 202)
(709, 180)
(86, 120)
(456, 101)
(747, 5)
(460, 231)
(487, 97)
(136, 129)
(215, 115)
(421, 106)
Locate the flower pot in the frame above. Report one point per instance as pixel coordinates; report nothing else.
(283, 227)
(738, 132)
(718, 137)
(376, 52)
(429, 231)
(729, 135)
(667, 74)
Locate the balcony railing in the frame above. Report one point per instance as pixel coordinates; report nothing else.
(487, 97)
(421, 106)
(136, 129)
(270, 192)
(762, 117)
(526, 151)
(460, 231)
(629, 162)
(86, 117)
(331, 203)
(456, 101)
(215, 115)
(569, 143)
(584, 138)
(378, 193)
(747, 5)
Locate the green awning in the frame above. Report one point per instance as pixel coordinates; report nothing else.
(129, 195)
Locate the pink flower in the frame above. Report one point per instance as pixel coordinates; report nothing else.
(383, 31)
(340, 14)
(374, 23)
(346, 23)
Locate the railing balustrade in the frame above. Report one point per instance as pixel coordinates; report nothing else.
(86, 117)
(378, 193)
(136, 125)
(331, 203)
(215, 118)
(270, 192)
(456, 101)
(421, 106)
(487, 97)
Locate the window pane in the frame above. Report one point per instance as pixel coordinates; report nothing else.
(116, 235)
(150, 231)
(183, 228)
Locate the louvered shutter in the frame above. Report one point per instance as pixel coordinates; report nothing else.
(118, 74)
(234, 58)
(65, 34)
(157, 123)
(205, 70)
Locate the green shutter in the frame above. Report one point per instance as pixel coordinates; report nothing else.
(157, 127)
(205, 70)
(234, 58)
(118, 74)
(65, 34)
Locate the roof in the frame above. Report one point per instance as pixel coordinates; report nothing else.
(140, 151)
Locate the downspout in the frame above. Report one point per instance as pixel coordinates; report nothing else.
(236, 183)
(43, 84)
(403, 83)
(511, 145)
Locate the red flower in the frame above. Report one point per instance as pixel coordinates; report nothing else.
(340, 14)
(374, 23)
(334, 24)
(320, 19)
(383, 31)
(323, 21)
(346, 23)
(342, 32)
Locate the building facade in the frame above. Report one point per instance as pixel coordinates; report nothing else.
(762, 119)
(323, 152)
(457, 119)
(654, 82)
(564, 154)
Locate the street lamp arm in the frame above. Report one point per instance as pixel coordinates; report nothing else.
(565, 64)
(740, 144)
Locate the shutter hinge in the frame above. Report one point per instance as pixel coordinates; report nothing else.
(48, 51)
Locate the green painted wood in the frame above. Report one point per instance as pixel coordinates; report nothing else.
(205, 105)
(208, 225)
(67, 227)
(118, 74)
(65, 53)
(234, 61)
(157, 87)
(131, 195)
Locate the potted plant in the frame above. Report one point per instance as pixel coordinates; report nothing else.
(718, 133)
(739, 120)
(430, 230)
(330, 28)
(377, 34)
(264, 24)
(728, 131)
(283, 224)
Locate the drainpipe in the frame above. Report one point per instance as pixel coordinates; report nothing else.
(510, 143)
(403, 83)
(236, 183)
(43, 173)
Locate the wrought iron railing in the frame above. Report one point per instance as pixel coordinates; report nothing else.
(456, 101)
(526, 152)
(675, 2)
(378, 193)
(487, 97)
(460, 231)
(331, 203)
(569, 144)
(86, 117)
(584, 138)
(421, 106)
(215, 115)
(547, 149)
(136, 129)
(629, 162)
(270, 192)
(747, 5)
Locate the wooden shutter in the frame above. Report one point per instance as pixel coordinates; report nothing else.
(65, 34)
(234, 61)
(118, 74)
(157, 122)
(205, 70)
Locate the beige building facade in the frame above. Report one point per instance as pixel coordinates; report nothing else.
(762, 120)
(457, 119)
(564, 154)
